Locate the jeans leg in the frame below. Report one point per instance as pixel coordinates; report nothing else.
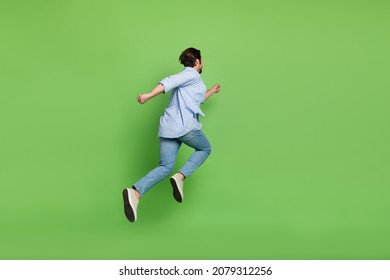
(168, 153)
(197, 140)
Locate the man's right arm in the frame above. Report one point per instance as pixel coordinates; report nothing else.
(211, 91)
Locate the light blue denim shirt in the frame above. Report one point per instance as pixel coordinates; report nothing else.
(183, 110)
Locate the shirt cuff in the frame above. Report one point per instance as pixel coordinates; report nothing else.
(166, 84)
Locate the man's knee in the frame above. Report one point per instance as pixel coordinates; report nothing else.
(166, 169)
(208, 150)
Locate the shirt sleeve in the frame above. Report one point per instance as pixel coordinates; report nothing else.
(176, 80)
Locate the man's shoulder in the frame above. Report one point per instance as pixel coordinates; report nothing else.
(191, 71)
(188, 74)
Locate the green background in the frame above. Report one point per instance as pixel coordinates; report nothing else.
(300, 129)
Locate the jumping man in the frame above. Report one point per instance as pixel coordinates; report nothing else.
(179, 124)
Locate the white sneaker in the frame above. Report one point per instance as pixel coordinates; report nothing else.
(131, 203)
(177, 185)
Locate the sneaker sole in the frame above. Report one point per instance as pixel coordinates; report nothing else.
(128, 209)
(176, 192)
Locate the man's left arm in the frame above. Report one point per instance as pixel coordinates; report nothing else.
(142, 98)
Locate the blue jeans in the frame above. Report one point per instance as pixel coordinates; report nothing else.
(168, 153)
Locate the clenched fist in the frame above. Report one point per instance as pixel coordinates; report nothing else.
(142, 98)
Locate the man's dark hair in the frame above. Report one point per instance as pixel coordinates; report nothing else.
(189, 56)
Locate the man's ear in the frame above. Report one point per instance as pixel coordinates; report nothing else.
(197, 62)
